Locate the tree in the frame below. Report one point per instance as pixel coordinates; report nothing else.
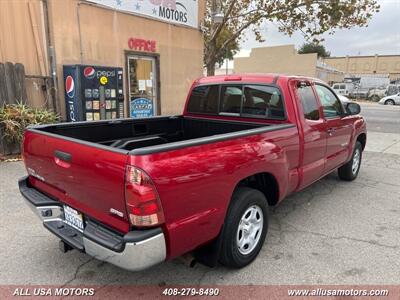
(311, 17)
(314, 48)
(230, 49)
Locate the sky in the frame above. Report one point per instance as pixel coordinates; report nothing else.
(382, 36)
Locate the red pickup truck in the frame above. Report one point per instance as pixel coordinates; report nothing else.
(137, 192)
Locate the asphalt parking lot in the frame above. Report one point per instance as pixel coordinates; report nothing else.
(333, 232)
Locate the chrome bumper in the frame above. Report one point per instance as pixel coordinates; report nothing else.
(135, 257)
(136, 251)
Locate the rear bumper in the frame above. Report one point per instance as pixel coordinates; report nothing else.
(135, 251)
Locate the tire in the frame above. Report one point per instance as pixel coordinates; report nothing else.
(350, 170)
(389, 102)
(239, 228)
(375, 98)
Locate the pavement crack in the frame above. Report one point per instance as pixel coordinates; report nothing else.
(203, 276)
(77, 271)
(387, 148)
(341, 237)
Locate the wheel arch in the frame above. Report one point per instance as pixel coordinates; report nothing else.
(362, 138)
(264, 182)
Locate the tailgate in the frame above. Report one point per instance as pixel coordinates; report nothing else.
(87, 178)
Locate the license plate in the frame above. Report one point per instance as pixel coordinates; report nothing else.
(73, 218)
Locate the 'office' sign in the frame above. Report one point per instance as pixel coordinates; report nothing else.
(142, 45)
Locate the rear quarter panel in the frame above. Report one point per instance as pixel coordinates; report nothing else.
(359, 126)
(195, 184)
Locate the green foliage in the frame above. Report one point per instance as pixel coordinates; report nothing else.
(14, 118)
(230, 49)
(314, 48)
(310, 17)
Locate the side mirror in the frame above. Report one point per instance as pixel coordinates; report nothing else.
(352, 108)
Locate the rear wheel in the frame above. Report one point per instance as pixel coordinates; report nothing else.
(349, 171)
(245, 228)
(389, 102)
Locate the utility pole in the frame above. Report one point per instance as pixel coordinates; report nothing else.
(227, 60)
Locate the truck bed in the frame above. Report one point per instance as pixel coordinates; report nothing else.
(153, 134)
(83, 164)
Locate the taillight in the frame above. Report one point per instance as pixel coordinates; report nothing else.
(142, 201)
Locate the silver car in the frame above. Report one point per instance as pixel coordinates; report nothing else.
(391, 100)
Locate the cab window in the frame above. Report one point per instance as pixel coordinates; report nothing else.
(204, 99)
(247, 101)
(308, 101)
(231, 99)
(264, 101)
(331, 105)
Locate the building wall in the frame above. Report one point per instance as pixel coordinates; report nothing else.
(82, 32)
(23, 40)
(89, 34)
(278, 59)
(18, 20)
(329, 76)
(377, 64)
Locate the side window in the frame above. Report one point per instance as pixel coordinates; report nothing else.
(331, 104)
(231, 99)
(204, 99)
(308, 101)
(263, 101)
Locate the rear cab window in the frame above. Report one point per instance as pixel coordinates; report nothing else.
(203, 99)
(231, 99)
(247, 101)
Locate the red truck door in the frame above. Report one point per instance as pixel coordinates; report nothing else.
(339, 129)
(314, 133)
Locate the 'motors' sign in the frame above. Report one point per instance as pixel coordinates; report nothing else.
(182, 12)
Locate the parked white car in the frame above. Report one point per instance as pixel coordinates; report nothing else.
(391, 100)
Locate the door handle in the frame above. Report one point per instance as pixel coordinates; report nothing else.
(331, 131)
(62, 159)
(63, 155)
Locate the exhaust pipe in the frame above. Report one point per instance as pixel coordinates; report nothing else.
(188, 260)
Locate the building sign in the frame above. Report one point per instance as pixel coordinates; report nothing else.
(141, 108)
(183, 12)
(142, 45)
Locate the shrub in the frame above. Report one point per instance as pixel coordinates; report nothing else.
(14, 118)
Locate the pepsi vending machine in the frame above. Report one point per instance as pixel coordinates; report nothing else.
(93, 93)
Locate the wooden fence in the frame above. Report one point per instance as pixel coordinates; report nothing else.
(12, 83)
(17, 87)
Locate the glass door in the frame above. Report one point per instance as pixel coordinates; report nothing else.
(143, 91)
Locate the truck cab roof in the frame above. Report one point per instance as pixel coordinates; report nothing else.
(253, 77)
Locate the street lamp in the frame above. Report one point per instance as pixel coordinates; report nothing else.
(218, 17)
(216, 14)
